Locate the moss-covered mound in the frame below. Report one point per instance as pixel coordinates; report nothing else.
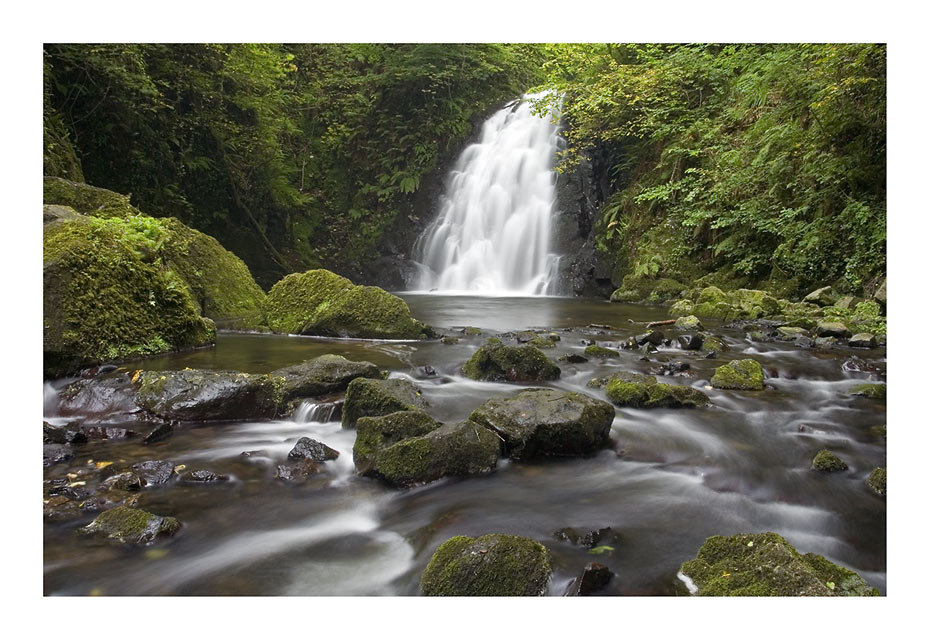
(321, 303)
(826, 460)
(644, 392)
(106, 297)
(877, 481)
(547, 422)
(743, 375)
(195, 395)
(597, 351)
(132, 526)
(376, 433)
(712, 302)
(764, 564)
(324, 374)
(86, 199)
(493, 565)
(365, 397)
(498, 362)
(874, 391)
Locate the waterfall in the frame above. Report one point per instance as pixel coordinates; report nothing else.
(492, 233)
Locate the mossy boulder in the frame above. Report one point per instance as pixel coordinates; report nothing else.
(863, 341)
(492, 565)
(826, 329)
(877, 481)
(86, 199)
(198, 395)
(765, 564)
(106, 295)
(873, 391)
(367, 397)
(496, 361)
(596, 351)
(791, 333)
(451, 450)
(324, 374)
(376, 433)
(321, 303)
(713, 302)
(828, 461)
(681, 308)
(688, 324)
(644, 392)
(639, 288)
(547, 422)
(132, 526)
(822, 297)
(744, 375)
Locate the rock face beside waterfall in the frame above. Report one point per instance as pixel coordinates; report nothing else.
(321, 303)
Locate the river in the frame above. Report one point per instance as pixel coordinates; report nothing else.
(670, 479)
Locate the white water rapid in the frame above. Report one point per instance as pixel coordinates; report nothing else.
(492, 233)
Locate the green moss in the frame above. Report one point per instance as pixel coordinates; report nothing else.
(498, 362)
(86, 199)
(874, 391)
(492, 565)
(319, 302)
(645, 393)
(134, 526)
(766, 564)
(681, 308)
(640, 288)
(376, 433)
(542, 343)
(828, 461)
(688, 323)
(877, 481)
(739, 374)
(600, 352)
(367, 397)
(865, 317)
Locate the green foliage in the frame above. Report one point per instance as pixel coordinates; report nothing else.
(769, 158)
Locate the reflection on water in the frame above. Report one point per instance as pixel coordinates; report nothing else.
(670, 479)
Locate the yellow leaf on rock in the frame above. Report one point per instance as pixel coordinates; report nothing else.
(103, 464)
(135, 376)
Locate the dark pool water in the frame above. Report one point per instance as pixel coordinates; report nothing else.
(670, 479)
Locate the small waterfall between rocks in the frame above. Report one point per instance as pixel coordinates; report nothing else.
(492, 235)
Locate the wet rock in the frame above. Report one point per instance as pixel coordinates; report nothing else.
(199, 395)
(877, 481)
(55, 453)
(804, 342)
(547, 422)
(310, 449)
(825, 343)
(161, 432)
(471, 331)
(254, 455)
(321, 375)
(848, 302)
(299, 472)
(61, 435)
(689, 323)
(376, 433)
(827, 329)
(855, 364)
(791, 333)
(428, 371)
(492, 565)
(59, 508)
(590, 538)
(765, 564)
(822, 297)
(863, 341)
(203, 476)
(874, 391)
(593, 577)
(676, 368)
(691, 342)
(154, 472)
(321, 303)
(125, 481)
(366, 397)
(132, 526)
(653, 337)
(104, 432)
(738, 374)
(596, 351)
(714, 343)
(573, 358)
(828, 461)
(449, 340)
(462, 449)
(644, 392)
(106, 394)
(495, 361)
(103, 500)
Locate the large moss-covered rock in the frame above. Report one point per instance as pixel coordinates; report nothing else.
(637, 288)
(826, 460)
(376, 433)
(321, 303)
(461, 449)
(493, 565)
(324, 374)
(132, 526)
(107, 297)
(712, 302)
(597, 351)
(365, 397)
(644, 392)
(87, 199)
(765, 564)
(196, 395)
(547, 422)
(743, 375)
(496, 361)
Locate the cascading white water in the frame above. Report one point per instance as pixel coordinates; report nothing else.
(492, 233)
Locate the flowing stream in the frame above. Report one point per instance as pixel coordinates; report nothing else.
(670, 479)
(492, 235)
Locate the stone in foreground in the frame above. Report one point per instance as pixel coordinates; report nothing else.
(492, 565)
(765, 564)
(132, 526)
(497, 362)
(828, 461)
(365, 397)
(547, 422)
(743, 375)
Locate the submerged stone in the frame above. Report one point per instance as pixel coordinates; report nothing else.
(765, 564)
(310, 449)
(492, 565)
(132, 526)
(547, 422)
(740, 375)
(366, 397)
(495, 361)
